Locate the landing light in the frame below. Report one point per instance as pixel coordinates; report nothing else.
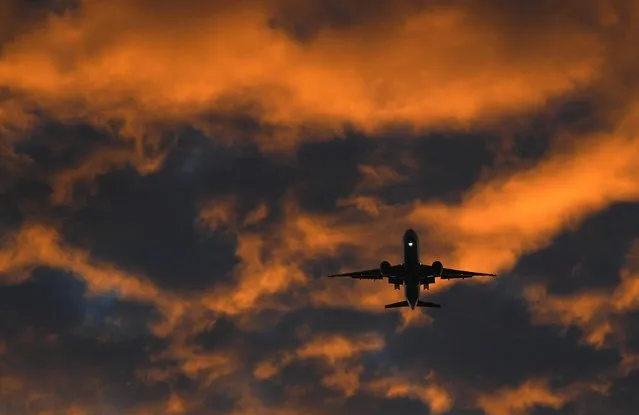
(410, 244)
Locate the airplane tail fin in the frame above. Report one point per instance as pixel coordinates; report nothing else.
(397, 304)
(421, 303)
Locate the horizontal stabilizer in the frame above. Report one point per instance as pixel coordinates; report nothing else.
(421, 303)
(397, 304)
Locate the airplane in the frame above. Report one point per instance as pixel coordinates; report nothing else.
(411, 274)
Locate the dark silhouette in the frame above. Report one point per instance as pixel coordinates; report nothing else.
(411, 274)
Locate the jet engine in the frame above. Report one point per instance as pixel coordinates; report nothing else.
(385, 268)
(397, 282)
(437, 268)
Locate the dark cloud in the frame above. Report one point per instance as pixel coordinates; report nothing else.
(51, 302)
(304, 20)
(67, 348)
(628, 325)
(622, 398)
(494, 343)
(149, 225)
(328, 171)
(582, 258)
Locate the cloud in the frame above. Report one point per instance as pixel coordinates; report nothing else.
(217, 213)
(331, 348)
(341, 356)
(256, 215)
(414, 318)
(436, 397)
(36, 245)
(376, 176)
(593, 310)
(63, 183)
(537, 393)
(520, 400)
(148, 68)
(501, 219)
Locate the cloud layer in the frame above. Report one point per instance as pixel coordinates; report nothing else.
(176, 180)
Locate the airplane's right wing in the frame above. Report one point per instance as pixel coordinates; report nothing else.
(449, 274)
(369, 274)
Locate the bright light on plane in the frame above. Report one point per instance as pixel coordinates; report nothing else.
(410, 244)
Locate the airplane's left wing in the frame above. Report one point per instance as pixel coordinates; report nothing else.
(369, 274)
(449, 274)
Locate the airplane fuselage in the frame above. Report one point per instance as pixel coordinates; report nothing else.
(411, 267)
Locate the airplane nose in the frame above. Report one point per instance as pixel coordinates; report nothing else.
(409, 234)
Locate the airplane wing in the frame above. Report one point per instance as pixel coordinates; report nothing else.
(369, 274)
(450, 274)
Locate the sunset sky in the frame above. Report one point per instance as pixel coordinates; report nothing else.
(177, 178)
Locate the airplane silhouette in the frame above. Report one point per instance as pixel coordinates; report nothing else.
(411, 274)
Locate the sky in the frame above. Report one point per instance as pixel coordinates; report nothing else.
(178, 178)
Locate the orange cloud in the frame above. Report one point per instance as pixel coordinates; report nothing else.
(579, 308)
(377, 176)
(591, 310)
(207, 366)
(249, 404)
(436, 397)
(413, 318)
(37, 245)
(271, 262)
(218, 212)
(257, 215)
(522, 399)
(367, 204)
(175, 404)
(10, 385)
(532, 393)
(629, 363)
(340, 354)
(336, 347)
(257, 278)
(126, 60)
(500, 220)
(333, 349)
(344, 378)
(101, 162)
